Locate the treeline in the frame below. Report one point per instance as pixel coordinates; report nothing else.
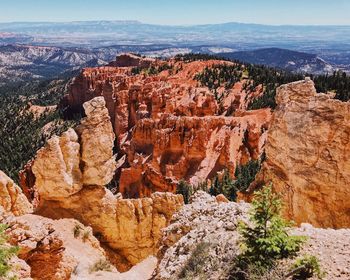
(220, 75)
(189, 57)
(21, 131)
(269, 78)
(339, 82)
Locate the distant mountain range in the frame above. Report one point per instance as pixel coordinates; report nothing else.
(19, 63)
(284, 59)
(24, 62)
(46, 49)
(105, 33)
(331, 43)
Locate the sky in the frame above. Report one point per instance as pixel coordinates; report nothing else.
(181, 12)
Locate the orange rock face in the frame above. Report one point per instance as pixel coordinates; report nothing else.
(168, 127)
(308, 155)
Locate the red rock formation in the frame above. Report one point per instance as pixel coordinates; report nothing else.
(163, 151)
(168, 126)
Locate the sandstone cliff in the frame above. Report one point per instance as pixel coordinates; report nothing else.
(66, 163)
(168, 127)
(308, 155)
(70, 173)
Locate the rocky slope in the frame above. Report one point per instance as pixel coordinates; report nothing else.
(168, 127)
(308, 155)
(62, 249)
(207, 229)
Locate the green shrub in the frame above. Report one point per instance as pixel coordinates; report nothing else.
(6, 253)
(266, 238)
(194, 265)
(307, 267)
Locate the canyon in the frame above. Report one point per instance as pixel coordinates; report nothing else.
(104, 192)
(168, 126)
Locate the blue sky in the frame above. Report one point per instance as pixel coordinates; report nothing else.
(180, 11)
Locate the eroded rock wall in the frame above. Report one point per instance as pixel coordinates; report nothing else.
(308, 155)
(168, 127)
(163, 151)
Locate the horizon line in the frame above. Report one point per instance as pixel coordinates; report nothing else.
(172, 25)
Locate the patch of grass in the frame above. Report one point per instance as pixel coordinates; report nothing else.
(101, 265)
(77, 230)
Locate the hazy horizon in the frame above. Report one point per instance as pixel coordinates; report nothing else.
(165, 24)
